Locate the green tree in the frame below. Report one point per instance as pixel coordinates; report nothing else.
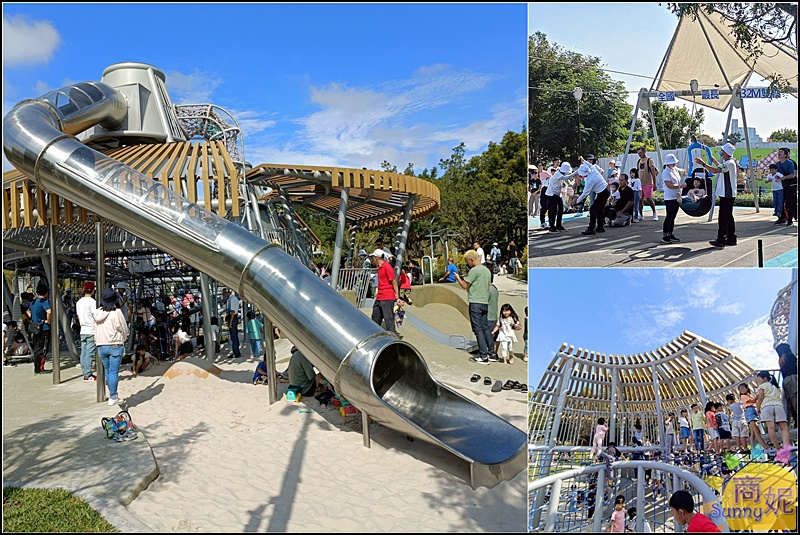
(734, 137)
(674, 125)
(559, 126)
(786, 135)
(751, 23)
(707, 140)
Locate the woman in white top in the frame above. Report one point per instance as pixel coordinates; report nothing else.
(671, 179)
(111, 331)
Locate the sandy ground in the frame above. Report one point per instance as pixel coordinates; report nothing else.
(231, 462)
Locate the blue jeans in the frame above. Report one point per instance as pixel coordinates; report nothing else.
(111, 357)
(255, 347)
(235, 336)
(699, 443)
(478, 318)
(637, 209)
(87, 353)
(777, 202)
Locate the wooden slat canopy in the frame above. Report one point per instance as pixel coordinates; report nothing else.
(376, 198)
(591, 379)
(191, 169)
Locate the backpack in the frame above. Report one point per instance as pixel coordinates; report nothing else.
(119, 427)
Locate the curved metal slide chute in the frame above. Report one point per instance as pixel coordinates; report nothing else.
(380, 374)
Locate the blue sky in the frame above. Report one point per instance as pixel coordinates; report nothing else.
(625, 311)
(614, 32)
(348, 84)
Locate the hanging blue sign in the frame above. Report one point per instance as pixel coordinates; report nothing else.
(666, 97)
(759, 92)
(710, 94)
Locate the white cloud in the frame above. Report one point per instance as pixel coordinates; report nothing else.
(477, 134)
(195, 88)
(28, 42)
(753, 342)
(252, 122)
(41, 88)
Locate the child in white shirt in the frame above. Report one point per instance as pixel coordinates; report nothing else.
(777, 189)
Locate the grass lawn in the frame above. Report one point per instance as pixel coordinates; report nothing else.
(49, 510)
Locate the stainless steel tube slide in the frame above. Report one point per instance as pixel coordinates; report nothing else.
(380, 374)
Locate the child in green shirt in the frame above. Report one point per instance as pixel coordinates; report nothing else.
(254, 330)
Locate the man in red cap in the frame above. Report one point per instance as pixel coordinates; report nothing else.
(83, 310)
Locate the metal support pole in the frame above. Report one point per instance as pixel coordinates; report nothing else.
(598, 501)
(612, 424)
(750, 166)
(552, 507)
(405, 224)
(640, 503)
(55, 303)
(655, 137)
(205, 305)
(100, 253)
(365, 428)
(337, 248)
(659, 410)
(269, 358)
(134, 312)
(562, 389)
(630, 133)
(696, 371)
(728, 123)
(59, 316)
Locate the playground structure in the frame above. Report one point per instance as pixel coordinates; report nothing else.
(143, 179)
(566, 492)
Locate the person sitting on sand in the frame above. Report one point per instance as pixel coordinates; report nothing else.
(302, 376)
(142, 360)
(182, 342)
(261, 374)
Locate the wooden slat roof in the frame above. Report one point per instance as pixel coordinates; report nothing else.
(376, 198)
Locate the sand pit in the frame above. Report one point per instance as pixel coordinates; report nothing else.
(229, 462)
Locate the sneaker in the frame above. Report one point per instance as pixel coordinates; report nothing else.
(553, 230)
(730, 243)
(90, 377)
(479, 360)
(665, 239)
(780, 221)
(789, 223)
(112, 401)
(673, 238)
(601, 229)
(716, 243)
(655, 217)
(543, 226)
(9, 364)
(588, 232)
(493, 358)
(43, 372)
(561, 228)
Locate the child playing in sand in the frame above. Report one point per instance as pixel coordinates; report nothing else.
(695, 194)
(254, 330)
(738, 424)
(599, 435)
(142, 360)
(261, 373)
(770, 407)
(507, 323)
(751, 415)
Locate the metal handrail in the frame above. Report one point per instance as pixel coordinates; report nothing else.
(679, 474)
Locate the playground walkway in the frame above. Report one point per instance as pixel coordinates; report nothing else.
(640, 244)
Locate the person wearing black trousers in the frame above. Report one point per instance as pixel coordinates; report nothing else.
(788, 169)
(726, 191)
(672, 186)
(595, 183)
(555, 206)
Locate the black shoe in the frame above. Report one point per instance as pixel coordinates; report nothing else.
(553, 230)
(730, 243)
(789, 223)
(666, 239)
(588, 232)
(601, 229)
(716, 243)
(231, 356)
(561, 228)
(673, 238)
(780, 221)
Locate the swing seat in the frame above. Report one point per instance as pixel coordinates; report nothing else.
(697, 209)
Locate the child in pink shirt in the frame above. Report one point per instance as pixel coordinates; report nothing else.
(711, 423)
(599, 435)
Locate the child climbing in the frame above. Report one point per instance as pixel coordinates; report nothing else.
(599, 435)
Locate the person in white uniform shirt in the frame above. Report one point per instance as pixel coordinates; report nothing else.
(481, 254)
(671, 179)
(555, 206)
(726, 191)
(595, 183)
